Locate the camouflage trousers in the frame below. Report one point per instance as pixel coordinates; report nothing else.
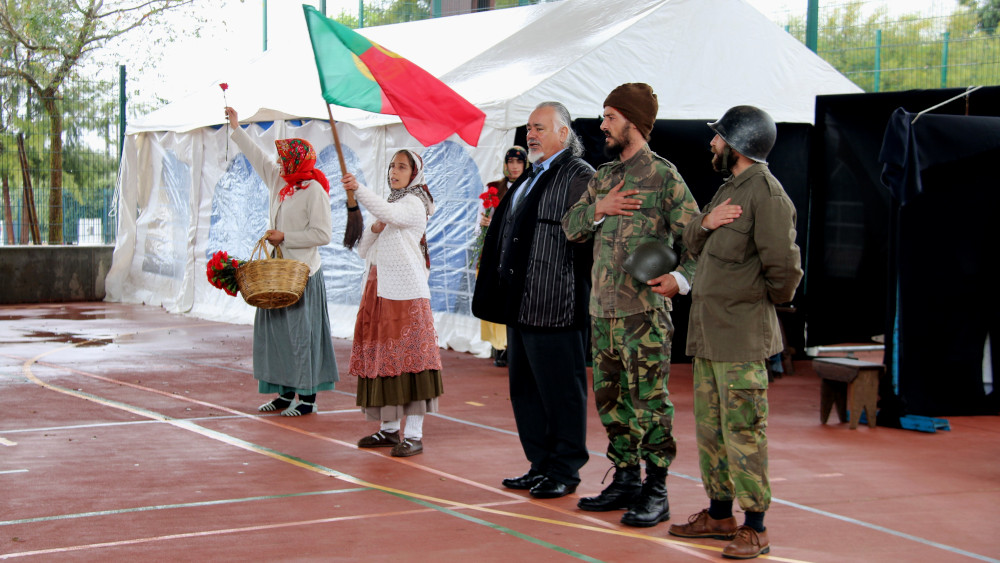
(730, 411)
(631, 371)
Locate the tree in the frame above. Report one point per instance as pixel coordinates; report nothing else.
(44, 42)
(384, 12)
(987, 10)
(910, 51)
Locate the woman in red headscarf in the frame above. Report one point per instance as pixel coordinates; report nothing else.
(292, 346)
(395, 354)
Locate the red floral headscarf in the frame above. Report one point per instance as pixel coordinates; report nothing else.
(298, 166)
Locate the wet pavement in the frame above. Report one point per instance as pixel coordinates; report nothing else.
(128, 433)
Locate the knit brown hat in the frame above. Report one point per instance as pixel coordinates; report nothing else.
(637, 102)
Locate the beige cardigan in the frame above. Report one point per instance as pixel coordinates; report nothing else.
(304, 216)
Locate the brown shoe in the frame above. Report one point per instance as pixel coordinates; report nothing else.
(747, 544)
(380, 439)
(407, 447)
(702, 525)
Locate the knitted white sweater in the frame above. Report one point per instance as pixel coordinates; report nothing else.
(402, 271)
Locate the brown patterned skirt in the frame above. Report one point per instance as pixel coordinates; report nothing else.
(395, 356)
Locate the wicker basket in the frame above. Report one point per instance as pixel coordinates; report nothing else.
(271, 283)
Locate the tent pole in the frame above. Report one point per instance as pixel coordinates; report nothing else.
(355, 221)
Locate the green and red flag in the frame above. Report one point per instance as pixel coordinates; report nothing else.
(357, 73)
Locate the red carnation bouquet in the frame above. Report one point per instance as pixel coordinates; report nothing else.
(490, 202)
(221, 272)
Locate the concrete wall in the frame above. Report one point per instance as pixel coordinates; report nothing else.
(46, 274)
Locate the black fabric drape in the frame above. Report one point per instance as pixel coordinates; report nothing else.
(940, 170)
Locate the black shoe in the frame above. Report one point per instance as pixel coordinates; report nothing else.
(524, 482)
(651, 507)
(500, 358)
(550, 488)
(621, 493)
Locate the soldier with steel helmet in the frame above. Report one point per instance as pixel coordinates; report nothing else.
(748, 262)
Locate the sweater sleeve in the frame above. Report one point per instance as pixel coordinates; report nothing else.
(408, 212)
(368, 238)
(318, 229)
(263, 164)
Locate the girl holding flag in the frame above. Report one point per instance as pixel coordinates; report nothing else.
(395, 353)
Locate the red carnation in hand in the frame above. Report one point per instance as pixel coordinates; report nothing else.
(490, 202)
(225, 86)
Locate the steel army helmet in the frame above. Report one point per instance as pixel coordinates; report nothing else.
(650, 260)
(749, 130)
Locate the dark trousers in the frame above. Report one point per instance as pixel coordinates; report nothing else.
(548, 391)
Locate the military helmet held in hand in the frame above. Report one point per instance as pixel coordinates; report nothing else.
(749, 130)
(650, 260)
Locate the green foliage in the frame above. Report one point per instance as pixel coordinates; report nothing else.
(987, 12)
(910, 52)
(384, 12)
(43, 44)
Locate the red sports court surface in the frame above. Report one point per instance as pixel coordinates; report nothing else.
(131, 434)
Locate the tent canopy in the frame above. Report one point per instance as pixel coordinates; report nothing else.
(186, 192)
(700, 56)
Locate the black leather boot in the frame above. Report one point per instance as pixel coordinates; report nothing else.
(651, 507)
(622, 491)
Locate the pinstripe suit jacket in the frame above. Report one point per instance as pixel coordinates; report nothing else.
(530, 274)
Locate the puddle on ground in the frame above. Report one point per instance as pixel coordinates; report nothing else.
(75, 313)
(68, 338)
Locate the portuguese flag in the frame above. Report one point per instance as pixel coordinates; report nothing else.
(357, 73)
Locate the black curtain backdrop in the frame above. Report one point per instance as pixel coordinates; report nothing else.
(939, 167)
(856, 222)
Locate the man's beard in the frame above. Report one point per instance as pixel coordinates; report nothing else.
(616, 149)
(722, 163)
(534, 155)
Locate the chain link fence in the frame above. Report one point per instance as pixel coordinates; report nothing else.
(53, 194)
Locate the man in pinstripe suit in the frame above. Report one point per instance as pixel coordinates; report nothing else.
(537, 283)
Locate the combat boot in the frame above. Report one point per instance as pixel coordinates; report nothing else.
(651, 507)
(621, 493)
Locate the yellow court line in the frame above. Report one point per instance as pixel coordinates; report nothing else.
(683, 546)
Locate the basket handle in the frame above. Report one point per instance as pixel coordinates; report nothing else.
(260, 250)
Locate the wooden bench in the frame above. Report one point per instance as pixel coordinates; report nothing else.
(850, 384)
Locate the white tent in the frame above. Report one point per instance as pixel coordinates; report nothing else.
(185, 192)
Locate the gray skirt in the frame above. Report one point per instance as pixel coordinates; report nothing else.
(293, 347)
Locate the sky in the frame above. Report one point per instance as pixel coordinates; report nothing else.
(234, 35)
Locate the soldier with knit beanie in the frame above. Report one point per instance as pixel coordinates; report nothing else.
(637, 198)
(637, 103)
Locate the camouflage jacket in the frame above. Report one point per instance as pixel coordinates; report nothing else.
(667, 206)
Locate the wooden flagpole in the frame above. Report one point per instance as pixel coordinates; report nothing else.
(355, 221)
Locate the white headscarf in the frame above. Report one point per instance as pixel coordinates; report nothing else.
(417, 186)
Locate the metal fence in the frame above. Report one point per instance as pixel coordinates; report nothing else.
(59, 196)
(883, 51)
